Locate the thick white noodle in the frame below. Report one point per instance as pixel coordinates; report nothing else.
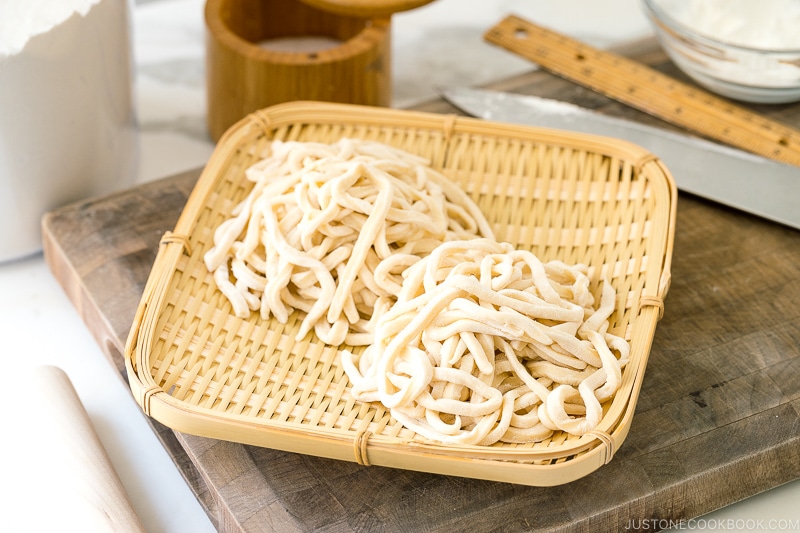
(488, 344)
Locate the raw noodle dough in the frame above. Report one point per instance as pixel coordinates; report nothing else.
(328, 230)
(486, 343)
(468, 340)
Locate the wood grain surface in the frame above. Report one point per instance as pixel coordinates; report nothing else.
(716, 422)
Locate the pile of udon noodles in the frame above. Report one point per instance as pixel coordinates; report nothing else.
(486, 343)
(463, 338)
(328, 229)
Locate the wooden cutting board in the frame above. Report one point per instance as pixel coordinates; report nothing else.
(717, 419)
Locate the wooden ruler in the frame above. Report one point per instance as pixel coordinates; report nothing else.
(648, 90)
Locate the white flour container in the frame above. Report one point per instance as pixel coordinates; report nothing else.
(67, 120)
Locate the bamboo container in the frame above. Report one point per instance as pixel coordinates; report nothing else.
(244, 73)
(367, 8)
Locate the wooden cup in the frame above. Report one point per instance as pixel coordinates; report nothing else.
(244, 75)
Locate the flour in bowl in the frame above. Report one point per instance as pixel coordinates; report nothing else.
(767, 24)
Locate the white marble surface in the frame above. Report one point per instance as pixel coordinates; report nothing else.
(437, 45)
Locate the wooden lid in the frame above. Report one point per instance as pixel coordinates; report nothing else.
(366, 8)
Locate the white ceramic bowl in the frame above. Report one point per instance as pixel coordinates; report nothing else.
(741, 72)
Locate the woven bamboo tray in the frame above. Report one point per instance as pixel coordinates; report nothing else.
(195, 367)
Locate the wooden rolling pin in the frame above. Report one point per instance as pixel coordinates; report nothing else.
(73, 485)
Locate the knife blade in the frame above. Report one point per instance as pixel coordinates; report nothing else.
(719, 173)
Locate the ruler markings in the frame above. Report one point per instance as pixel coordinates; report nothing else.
(648, 90)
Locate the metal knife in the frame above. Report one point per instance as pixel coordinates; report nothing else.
(744, 181)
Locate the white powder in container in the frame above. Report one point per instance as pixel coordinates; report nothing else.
(763, 24)
(20, 20)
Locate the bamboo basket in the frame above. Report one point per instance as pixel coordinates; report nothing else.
(195, 367)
